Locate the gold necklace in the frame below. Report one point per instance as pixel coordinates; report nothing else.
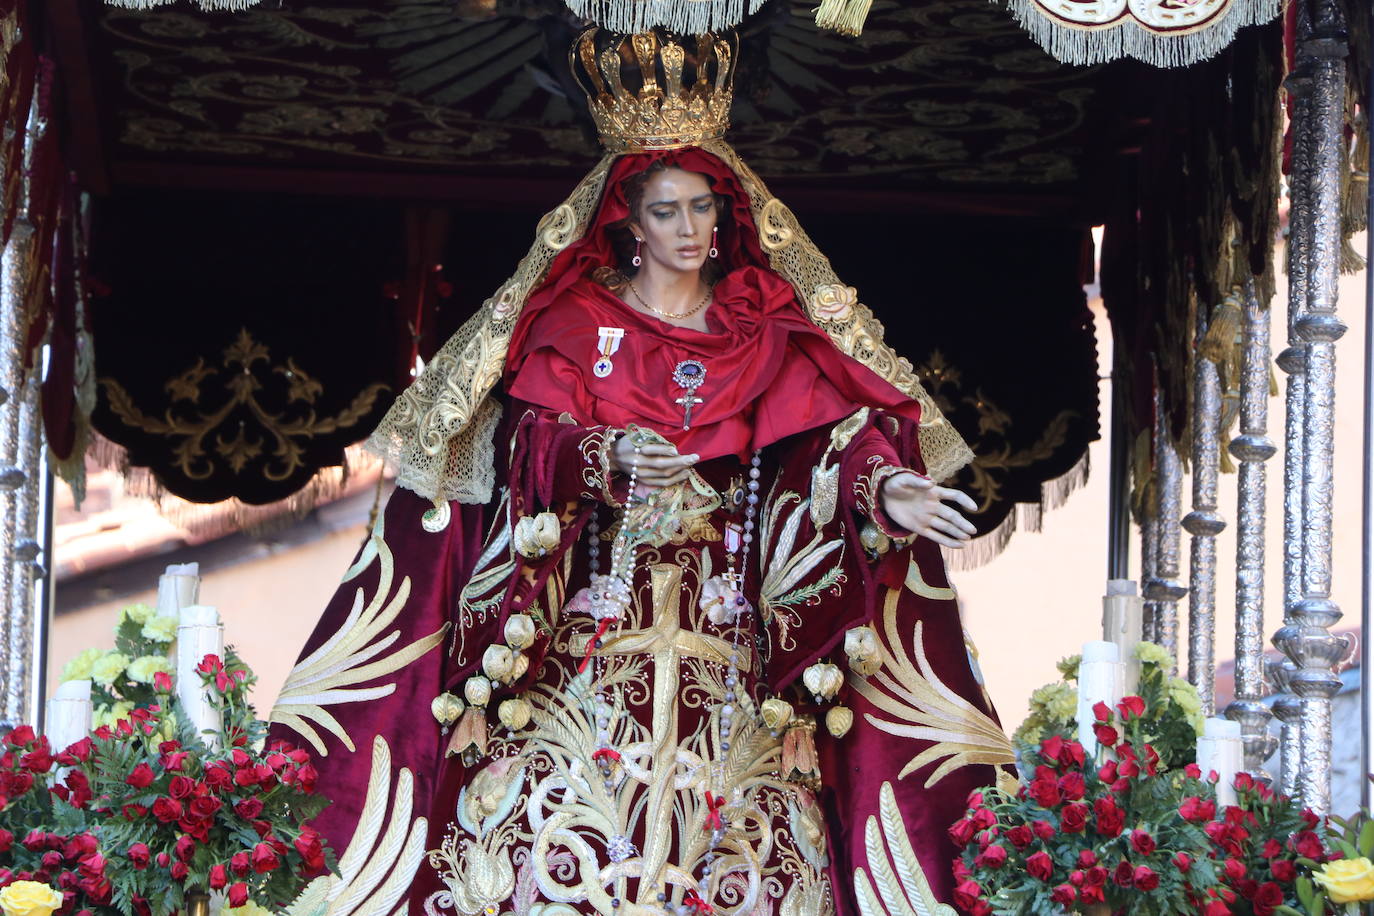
(671, 316)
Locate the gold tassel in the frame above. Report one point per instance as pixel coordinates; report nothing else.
(1222, 331)
(1351, 260)
(800, 763)
(1355, 217)
(843, 16)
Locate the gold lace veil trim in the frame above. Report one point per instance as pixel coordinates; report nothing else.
(439, 434)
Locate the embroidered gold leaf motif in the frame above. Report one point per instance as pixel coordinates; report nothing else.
(200, 432)
(363, 886)
(900, 881)
(925, 709)
(329, 676)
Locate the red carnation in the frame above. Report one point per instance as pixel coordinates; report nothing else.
(219, 877)
(1131, 708)
(265, 858)
(1142, 842)
(1145, 878)
(238, 894)
(1073, 818)
(1063, 895)
(994, 856)
(1124, 874)
(1040, 866)
(139, 856)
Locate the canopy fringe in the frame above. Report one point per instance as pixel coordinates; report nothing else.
(686, 18)
(1082, 45)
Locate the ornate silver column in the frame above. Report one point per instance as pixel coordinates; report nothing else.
(1204, 523)
(1163, 589)
(1306, 637)
(22, 637)
(1149, 566)
(1288, 710)
(1252, 448)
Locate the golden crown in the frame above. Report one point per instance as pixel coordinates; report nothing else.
(668, 108)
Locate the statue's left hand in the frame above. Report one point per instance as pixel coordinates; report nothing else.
(918, 504)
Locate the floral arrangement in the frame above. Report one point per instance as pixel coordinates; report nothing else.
(1131, 829)
(1173, 716)
(144, 813)
(1347, 880)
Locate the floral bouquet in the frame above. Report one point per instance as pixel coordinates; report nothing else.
(1127, 832)
(1347, 879)
(144, 813)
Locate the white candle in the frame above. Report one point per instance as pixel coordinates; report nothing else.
(1221, 749)
(1101, 679)
(177, 588)
(1123, 613)
(199, 634)
(69, 714)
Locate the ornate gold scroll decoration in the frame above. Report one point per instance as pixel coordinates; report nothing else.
(902, 890)
(380, 845)
(331, 674)
(243, 378)
(922, 707)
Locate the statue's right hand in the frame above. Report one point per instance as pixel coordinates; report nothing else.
(659, 464)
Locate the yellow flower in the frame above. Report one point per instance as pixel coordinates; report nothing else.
(251, 908)
(138, 613)
(1345, 880)
(1068, 667)
(1057, 702)
(1152, 654)
(108, 668)
(108, 716)
(142, 669)
(79, 668)
(160, 629)
(1184, 696)
(29, 898)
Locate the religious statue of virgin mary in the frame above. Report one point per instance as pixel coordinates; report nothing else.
(657, 619)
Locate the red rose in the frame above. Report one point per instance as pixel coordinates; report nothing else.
(1124, 874)
(1308, 845)
(138, 856)
(51, 860)
(1131, 708)
(1044, 788)
(1043, 829)
(1234, 868)
(983, 818)
(1309, 819)
(961, 831)
(1020, 836)
(1145, 878)
(1102, 712)
(218, 777)
(1073, 818)
(1110, 819)
(179, 871)
(311, 849)
(1216, 908)
(238, 894)
(13, 785)
(994, 856)
(1086, 858)
(167, 810)
(246, 776)
(162, 682)
(1142, 842)
(1271, 848)
(173, 761)
(163, 860)
(93, 865)
(1182, 861)
(1192, 771)
(20, 737)
(240, 864)
(1091, 893)
(219, 877)
(6, 840)
(960, 870)
(38, 760)
(185, 848)
(1040, 866)
(305, 778)
(133, 812)
(36, 841)
(1107, 772)
(141, 777)
(967, 894)
(1050, 748)
(1197, 810)
(1283, 870)
(205, 806)
(1071, 754)
(1063, 895)
(1267, 898)
(181, 787)
(1077, 878)
(1072, 785)
(1244, 782)
(265, 858)
(1106, 735)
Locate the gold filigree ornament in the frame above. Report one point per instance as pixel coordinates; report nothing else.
(381, 860)
(245, 371)
(334, 673)
(679, 112)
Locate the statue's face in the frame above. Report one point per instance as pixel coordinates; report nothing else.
(675, 219)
